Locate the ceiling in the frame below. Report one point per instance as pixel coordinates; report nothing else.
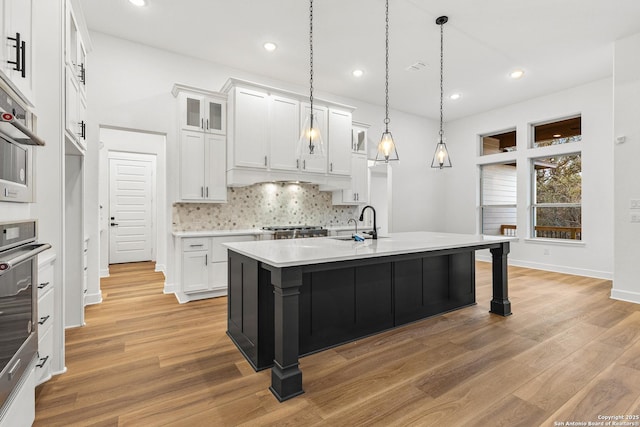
(559, 44)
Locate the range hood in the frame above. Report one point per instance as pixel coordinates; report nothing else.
(15, 130)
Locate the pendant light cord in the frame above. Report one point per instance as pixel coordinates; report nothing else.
(311, 64)
(386, 83)
(441, 75)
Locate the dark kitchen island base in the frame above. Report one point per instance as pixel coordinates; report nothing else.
(278, 314)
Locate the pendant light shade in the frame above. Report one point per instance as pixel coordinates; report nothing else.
(441, 157)
(311, 143)
(387, 147)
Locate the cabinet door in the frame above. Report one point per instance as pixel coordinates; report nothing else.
(215, 117)
(284, 133)
(71, 105)
(339, 142)
(251, 128)
(72, 35)
(315, 163)
(192, 165)
(215, 169)
(191, 110)
(359, 139)
(81, 124)
(81, 68)
(360, 178)
(195, 271)
(18, 24)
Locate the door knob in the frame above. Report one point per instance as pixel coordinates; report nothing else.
(114, 223)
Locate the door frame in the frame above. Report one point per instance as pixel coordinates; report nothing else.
(123, 155)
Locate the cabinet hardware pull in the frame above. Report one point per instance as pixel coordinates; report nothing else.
(331, 167)
(206, 259)
(196, 246)
(23, 56)
(304, 164)
(43, 319)
(114, 223)
(43, 285)
(207, 192)
(297, 163)
(83, 127)
(82, 74)
(18, 47)
(42, 362)
(202, 123)
(202, 192)
(265, 160)
(207, 124)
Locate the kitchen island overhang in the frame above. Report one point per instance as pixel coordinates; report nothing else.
(295, 297)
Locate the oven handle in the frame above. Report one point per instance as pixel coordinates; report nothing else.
(29, 138)
(9, 264)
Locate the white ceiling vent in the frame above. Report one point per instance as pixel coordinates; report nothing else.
(416, 66)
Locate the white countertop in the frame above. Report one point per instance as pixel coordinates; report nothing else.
(214, 233)
(292, 252)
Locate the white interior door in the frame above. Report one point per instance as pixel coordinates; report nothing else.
(131, 209)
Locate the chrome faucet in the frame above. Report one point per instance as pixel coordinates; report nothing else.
(374, 232)
(355, 223)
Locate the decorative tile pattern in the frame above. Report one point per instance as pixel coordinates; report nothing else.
(263, 204)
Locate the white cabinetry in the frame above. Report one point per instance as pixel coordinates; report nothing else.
(16, 48)
(250, 131)
(202, 266)
(284, 132)
(202, 167)
(340, 143)
(46, 317)
(202, 144)
(75, 85)
(358, 192)
(264, 130)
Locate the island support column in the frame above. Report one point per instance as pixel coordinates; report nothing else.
(286, 377)
(500, 303)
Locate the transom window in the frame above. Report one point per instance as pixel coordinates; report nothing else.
(557, 132)
(498, 142)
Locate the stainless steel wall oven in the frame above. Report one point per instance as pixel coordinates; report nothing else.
(18, 301)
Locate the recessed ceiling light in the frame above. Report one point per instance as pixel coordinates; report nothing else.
(516, 74)
(455, 96)
(357, 73)
(556, 135)
(138, 3)
(270, 46)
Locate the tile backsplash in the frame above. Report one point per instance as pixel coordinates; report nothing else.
(264, 204)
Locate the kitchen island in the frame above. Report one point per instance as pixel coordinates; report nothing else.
(289, 298)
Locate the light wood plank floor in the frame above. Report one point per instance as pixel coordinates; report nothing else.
(568, 353)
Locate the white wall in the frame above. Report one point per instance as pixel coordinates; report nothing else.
(592, 257)
(626, 284)
(130, 88)
(122, 140)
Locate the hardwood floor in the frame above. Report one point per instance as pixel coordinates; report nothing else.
(568, 353)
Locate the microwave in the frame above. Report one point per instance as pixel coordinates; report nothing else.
(16, 152)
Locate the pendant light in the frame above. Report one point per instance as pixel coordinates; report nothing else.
(311, 143)
(441, 156)
(386, 147)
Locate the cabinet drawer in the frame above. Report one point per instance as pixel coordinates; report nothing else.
(45, 312)
(195, 244)
(45, 351)
(219, 252)
(45, 279)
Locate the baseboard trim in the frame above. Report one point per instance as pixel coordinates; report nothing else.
(91, 299)
(161, 268)
(104, 272)
(551, 267)
(627, 296)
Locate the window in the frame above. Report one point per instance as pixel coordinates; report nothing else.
(557, 132)
(557, 193)
(498, 191)
(498, 143)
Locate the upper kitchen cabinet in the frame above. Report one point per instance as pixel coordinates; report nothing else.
(339, 142)
(249, 128)
(17, 50)
(265, 125)
(75, 84)
(359, 133)
(201, 110)
(202, 121)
